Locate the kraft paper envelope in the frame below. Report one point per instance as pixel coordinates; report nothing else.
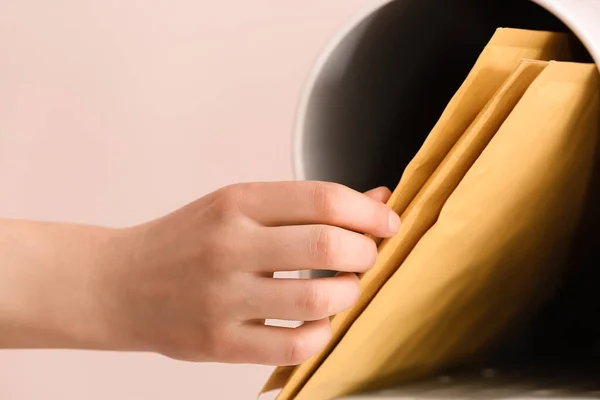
(505, 50)
(424, 209)
(496, 252)
(499, 59)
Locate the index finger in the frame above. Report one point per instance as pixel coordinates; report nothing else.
(310, 202)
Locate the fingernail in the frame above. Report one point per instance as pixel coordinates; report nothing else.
(394, 222)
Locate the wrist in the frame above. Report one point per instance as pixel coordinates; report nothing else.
(50, 285)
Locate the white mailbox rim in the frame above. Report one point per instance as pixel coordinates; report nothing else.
(578, 15)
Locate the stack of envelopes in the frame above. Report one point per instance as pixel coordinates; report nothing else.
(490, 205)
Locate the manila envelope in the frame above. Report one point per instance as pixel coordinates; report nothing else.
(497, 250)
(501, 56)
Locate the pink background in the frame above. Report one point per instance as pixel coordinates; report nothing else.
(117, 111)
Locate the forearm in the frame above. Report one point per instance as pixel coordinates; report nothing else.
(48, 284)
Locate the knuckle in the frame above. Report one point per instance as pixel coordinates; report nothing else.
(370, 251)
(314, 302)
(354, 289)
(299, 350)
(307, 343)
(327, 246)
(325, 199)
(228, 199)
(218, 250)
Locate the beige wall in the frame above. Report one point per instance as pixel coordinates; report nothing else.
(115, 111)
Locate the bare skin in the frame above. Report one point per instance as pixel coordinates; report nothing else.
(196, 284)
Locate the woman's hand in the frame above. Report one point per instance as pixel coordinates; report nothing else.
(198, 284)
